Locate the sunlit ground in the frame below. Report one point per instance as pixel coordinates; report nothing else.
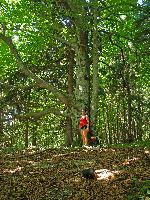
(52, 173)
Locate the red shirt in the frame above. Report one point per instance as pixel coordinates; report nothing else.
(83, 121)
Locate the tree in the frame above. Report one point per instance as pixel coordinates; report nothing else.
(67, 55)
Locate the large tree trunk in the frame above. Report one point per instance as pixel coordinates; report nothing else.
(82, 91)
(82, 79)
(95, 82)
(69, 135)
(69, 132)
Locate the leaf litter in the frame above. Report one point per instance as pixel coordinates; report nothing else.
(55, 174)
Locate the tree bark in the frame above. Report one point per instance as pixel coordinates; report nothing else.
(34, 135)
(95, 82)
(69, 132)
(82, 80)
(129, 101)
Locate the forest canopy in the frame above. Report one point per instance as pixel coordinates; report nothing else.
(59, 56)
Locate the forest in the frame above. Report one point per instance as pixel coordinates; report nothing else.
(58, 57)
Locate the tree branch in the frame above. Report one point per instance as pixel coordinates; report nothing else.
(42, 84)
(36, 115)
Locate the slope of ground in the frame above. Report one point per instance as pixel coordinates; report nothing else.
(56, 174)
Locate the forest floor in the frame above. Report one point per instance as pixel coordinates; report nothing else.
(55, 174)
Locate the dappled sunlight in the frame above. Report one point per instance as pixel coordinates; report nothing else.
(17, 169)
(56, 172)
(105, 174)
(66, 154)
(128, 161)
(100, 149)
(20, 165)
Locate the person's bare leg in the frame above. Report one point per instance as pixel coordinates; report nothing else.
(85, 137)
(82, 133)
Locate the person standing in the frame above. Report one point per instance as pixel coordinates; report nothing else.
(84, 127)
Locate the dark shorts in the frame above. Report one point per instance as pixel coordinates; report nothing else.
(84, 127)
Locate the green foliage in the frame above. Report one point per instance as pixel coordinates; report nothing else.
(140, 189)
(51, 36)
